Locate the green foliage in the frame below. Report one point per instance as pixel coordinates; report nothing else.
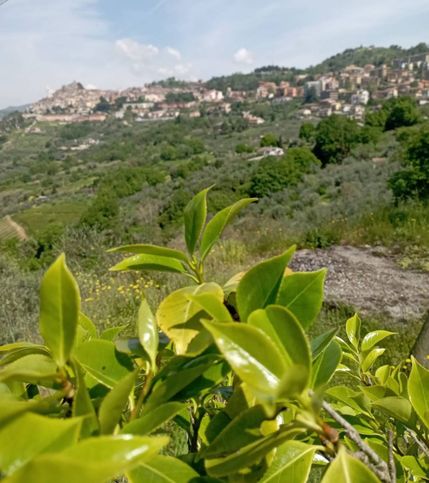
(178, 97)
(307, 132)
(401, 112)
(276, 174)
(233, 366)
(270, 139)
(413, 180)
(336, 136)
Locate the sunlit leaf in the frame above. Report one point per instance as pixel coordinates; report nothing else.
(373, 338)
(151, 420)
(260, 285)
(346, 469)
(163, 469)
(147, 330)
(353, 330)
(143, 249)
(150, 262)
(325, 364)
(418, 391)
(59, 310)
(371, 358)
(195, 215)
(218, 223)
(34, 369)
(302, 294)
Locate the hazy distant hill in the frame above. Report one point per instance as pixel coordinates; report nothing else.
(8, 110)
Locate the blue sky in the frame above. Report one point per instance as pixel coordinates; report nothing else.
(119, 43)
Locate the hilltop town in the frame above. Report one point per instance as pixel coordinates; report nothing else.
(348, 91)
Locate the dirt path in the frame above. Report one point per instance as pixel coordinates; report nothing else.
(369, 280)
(19, 230)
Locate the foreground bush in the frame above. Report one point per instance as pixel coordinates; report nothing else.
(230, 365)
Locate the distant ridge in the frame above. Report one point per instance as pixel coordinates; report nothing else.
(9, 110)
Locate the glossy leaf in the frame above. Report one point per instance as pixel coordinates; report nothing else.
(143, 249)
(112, 332)
(103, 362)
(302, 294)
(353, 330)
(346, 469)
(147, 330)
(241, 431)
(371, 358)
(291, 464)
(177, 313)
(418, 391)
(34, 369)
(397, 407)
(250, 454)
(218, 223)
(94, 460)
(163, 469)
(320, 343)
(12, 352)
(82, 404)
(153, 419)
(259, 286)
(282, 327)
(325, 365)
(30, 434)
(150, 262)
(212, 305)
(373, 338)
(114, 404)
(195, 215)
(251, 354)
(59, 310)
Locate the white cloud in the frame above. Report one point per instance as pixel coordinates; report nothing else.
(243, 56)
(174, 53)
(136, 51)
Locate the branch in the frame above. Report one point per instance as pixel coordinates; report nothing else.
(419, 443)
(392, 466)
(379, 466)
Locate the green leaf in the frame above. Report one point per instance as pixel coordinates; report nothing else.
(320, 343)
(259, 286)
(218, 223)
(114, 404)
(302, 294)
(251, 454)
(163, 469)
(151, 250)
(252, 356)
(94, 460)
(183, 377)
(82, 404)
(241, 431)
(370, 359)
(395, 406)
(150, 262)
(87, 325)
(291, 464)
(195, 217)
(59, 310)
(177, 315)
(112, 332)
(282, 327)
(346, 469)
(30, 434)
(418, 390)
(147, 330)
(103, 362)
(13, 352)
(353, 330)
(373, 338)
(153, 419)
(212, 305)
(33, 369)
(412, 464)
(325, 365)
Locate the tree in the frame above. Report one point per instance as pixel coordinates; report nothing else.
(270, 139)
(307, 132)
(413, 180)
(103, 105)
(401, 112)
(336, 136)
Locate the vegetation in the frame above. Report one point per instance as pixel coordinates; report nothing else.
(256, 400)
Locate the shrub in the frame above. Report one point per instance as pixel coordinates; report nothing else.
(413, 180)
(232, 366)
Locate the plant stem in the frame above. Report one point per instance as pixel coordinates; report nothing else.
(379, 466)
(392, 467)
(142, 395)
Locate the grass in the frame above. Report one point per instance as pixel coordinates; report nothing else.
(40, 217)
